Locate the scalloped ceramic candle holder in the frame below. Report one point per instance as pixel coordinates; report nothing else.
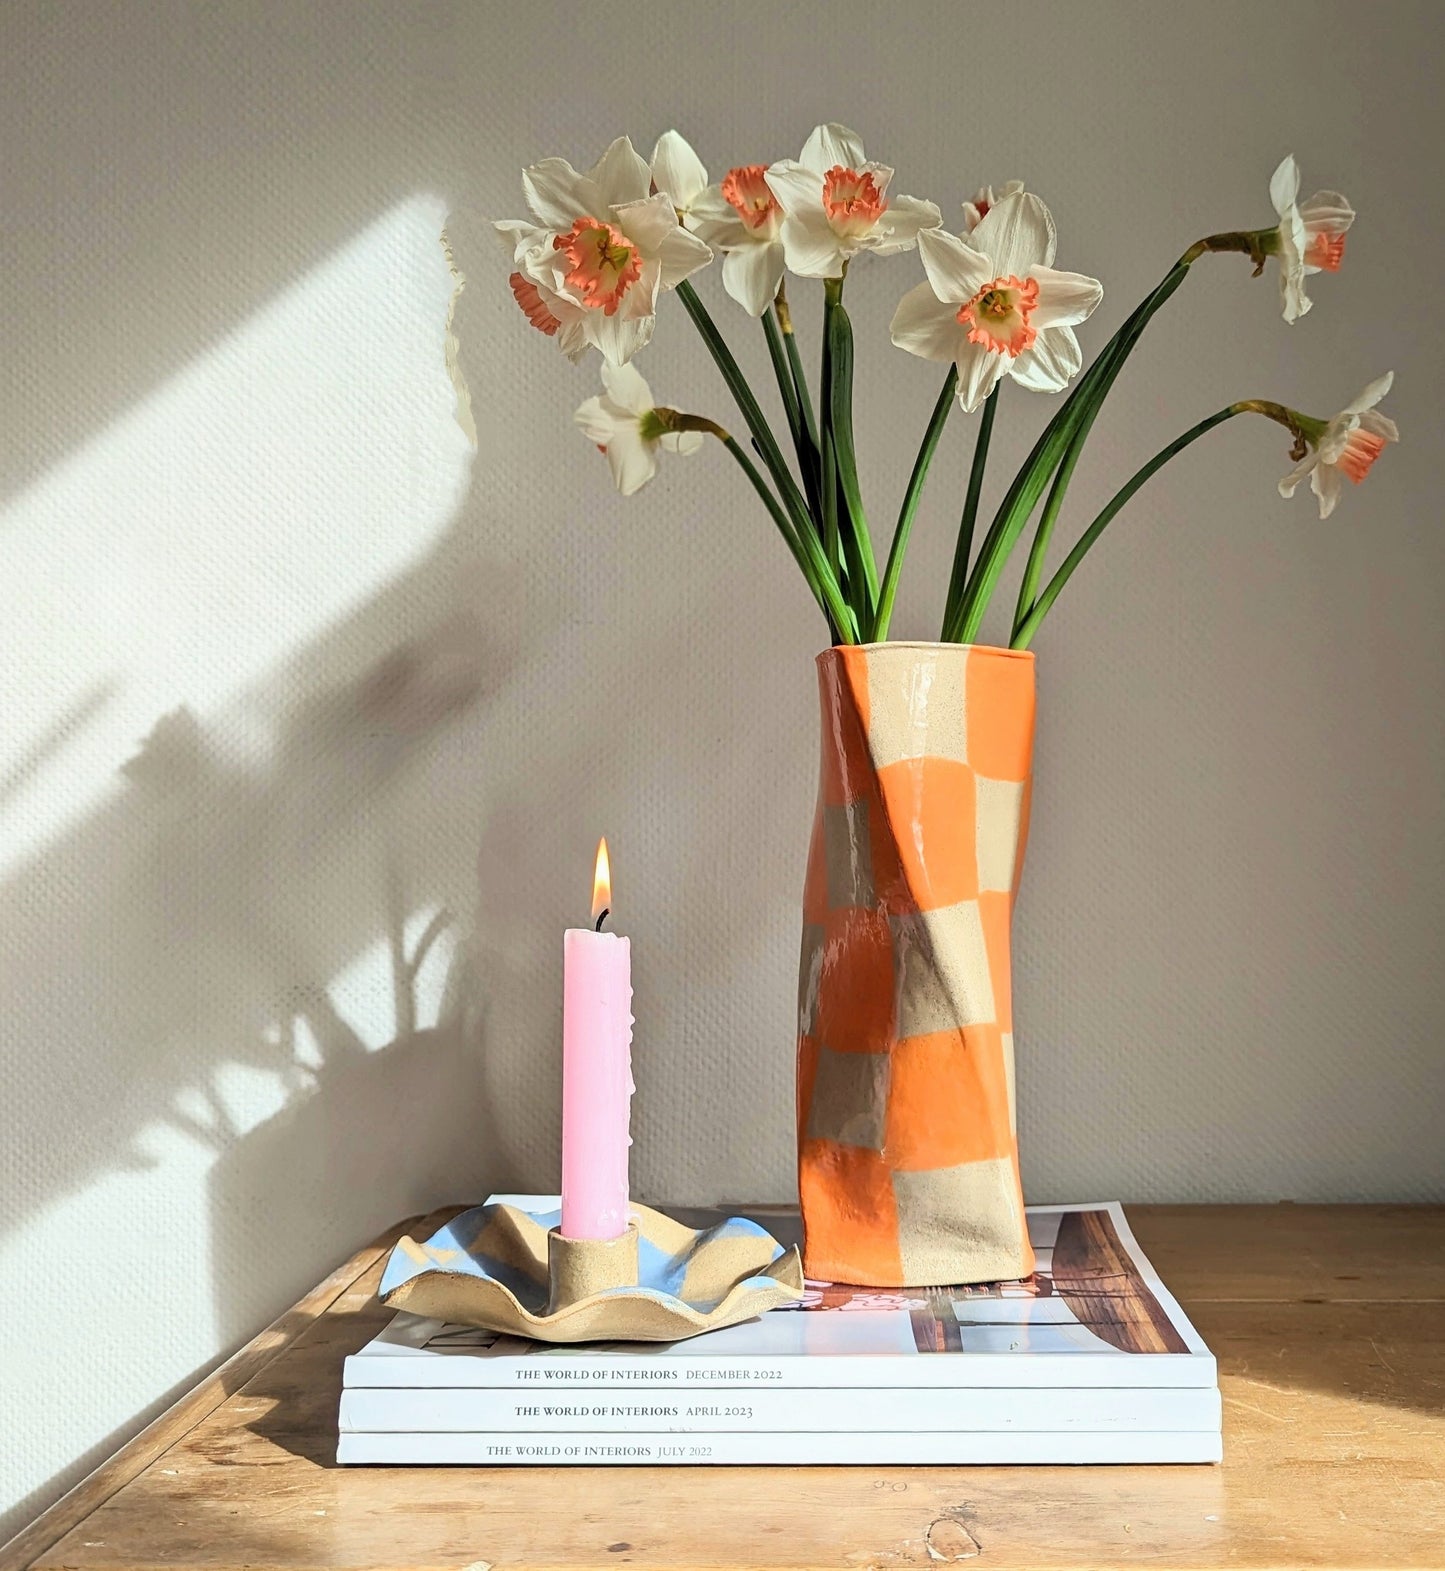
(509, 1270)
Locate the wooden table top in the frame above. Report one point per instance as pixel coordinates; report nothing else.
(1329, 1326)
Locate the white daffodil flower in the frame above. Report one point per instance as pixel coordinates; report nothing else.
(836, 204)
(1311, 235)
(739, 216)
(985, 197)
(599, 250)
(1348, 445)
(625, 425)
(995, 305)
(556, 315)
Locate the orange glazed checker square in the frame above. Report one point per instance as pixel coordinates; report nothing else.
(1026, 810)
(855, 995)
(1000, 700)
(947, 1100)
(931, 806)
(807, 1074)
(852, 1218)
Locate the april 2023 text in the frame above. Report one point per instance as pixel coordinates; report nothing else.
(619, 1410)
(601, 1450)
(619, 1375)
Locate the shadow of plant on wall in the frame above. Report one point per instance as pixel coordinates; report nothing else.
(364, 1118)
(188, 931)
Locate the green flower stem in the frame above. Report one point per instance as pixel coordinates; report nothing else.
(823, 578)
(827, 452)
(783, 374)
(856, 539)
(805, 404)
(1114, 352)
(1028, 485)
(1043, 531)
(1030, 625)
(1112, 360)
(929, 446)
(737, 383)
(1257, 244)
(1118, 349)
(787, 388)
(958, 579)
(800, 381)
(823, 585)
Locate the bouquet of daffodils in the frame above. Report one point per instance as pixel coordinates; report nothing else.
(601, 248)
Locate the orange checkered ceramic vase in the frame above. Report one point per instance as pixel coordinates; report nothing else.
(907, 1152)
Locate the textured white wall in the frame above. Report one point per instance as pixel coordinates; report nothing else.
(288, 670)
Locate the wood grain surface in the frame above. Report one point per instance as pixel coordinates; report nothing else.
(1329, 1325)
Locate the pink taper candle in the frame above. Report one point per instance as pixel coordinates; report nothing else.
(596, 1071)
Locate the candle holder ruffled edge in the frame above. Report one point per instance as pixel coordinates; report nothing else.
(508, 1270)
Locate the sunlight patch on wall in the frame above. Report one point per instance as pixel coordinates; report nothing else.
(167, 583)
(276, 482)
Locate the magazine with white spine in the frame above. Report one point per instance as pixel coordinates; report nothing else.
(466, 1409)
(768, 1450)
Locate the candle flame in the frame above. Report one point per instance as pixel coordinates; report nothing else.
(601, 881)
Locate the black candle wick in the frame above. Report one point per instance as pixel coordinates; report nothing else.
(606, 912)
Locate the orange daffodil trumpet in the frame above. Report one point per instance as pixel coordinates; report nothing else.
(836, 203)
(601, 246)
(738, 216)
(1342, 448)
(1311, 236)
(995, 305)
(629, 428)
(588, 267)
(555, 315)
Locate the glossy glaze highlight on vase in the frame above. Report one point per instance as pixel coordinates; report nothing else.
(908, 1156)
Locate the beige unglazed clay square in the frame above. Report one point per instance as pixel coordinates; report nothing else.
(999, 812)
(916, 704)
(941, 970)
(850, 1099)
(960, 1223)
(848, 855)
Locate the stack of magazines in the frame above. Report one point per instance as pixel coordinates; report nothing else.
(1088, 1360)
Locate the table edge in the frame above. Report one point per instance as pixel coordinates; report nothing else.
(199, 1402)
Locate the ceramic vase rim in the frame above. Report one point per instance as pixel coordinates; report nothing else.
(933, 647)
